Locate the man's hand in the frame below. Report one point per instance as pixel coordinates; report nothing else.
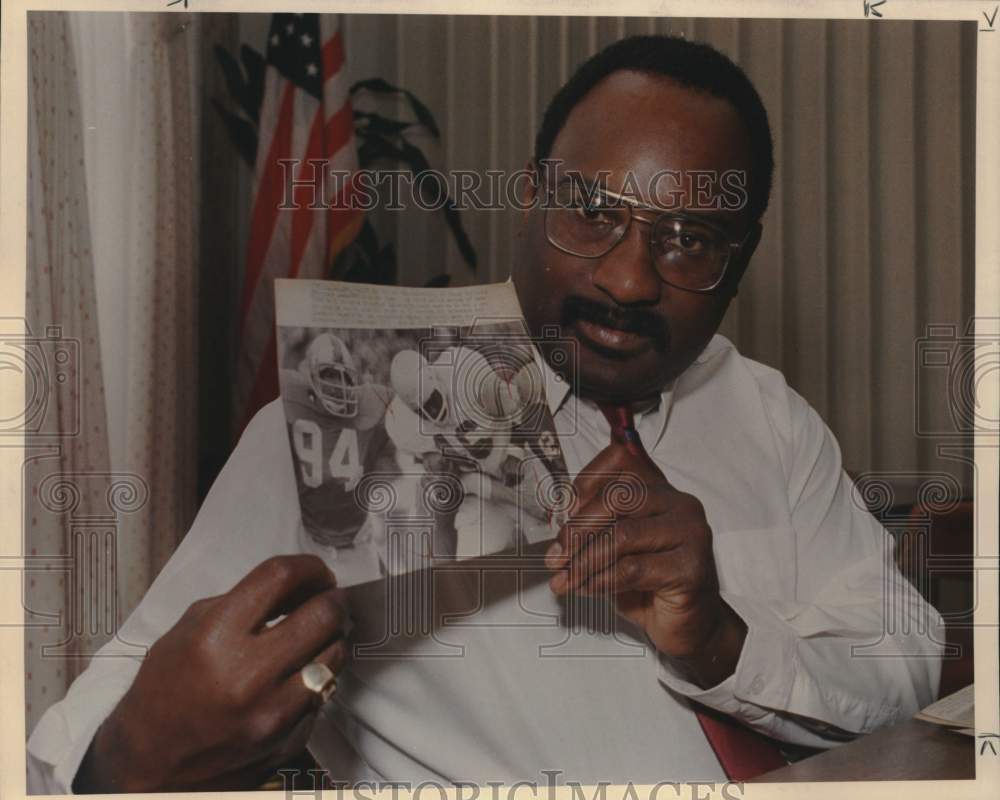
(633, 535)
(218, 702)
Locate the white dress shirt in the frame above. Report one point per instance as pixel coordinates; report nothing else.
(485, 675)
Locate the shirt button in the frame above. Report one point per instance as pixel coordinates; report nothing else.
(757, 685)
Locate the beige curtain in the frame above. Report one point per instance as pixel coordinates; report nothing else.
(869, 236)
(158, 234)
(68, 521)
(141, 154)
(100, 522)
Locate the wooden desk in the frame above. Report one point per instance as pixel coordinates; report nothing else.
(908, 751)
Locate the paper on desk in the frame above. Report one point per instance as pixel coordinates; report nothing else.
(957, 710)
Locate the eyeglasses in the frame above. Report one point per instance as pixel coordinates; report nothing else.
(687, 253)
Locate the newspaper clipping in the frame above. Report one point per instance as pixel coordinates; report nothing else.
(418, 422)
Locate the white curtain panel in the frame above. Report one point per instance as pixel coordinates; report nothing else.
(112, 123)
(68, 521)
(157, 232)
(141, 151)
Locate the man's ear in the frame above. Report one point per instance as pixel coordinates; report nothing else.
(739, 266)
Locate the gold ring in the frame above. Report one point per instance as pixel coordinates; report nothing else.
(319, 678)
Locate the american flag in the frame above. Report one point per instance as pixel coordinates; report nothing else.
(305, 116)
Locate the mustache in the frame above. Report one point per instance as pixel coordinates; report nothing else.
(632, 320)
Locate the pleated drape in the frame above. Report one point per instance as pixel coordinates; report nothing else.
(111, 475)
(869, 237)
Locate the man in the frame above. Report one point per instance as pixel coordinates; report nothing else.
(739, 576)
(335, 438)
(457, 416)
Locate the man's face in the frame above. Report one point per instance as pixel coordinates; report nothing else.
(635, 333)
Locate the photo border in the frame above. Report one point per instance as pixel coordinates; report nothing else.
(13, 210)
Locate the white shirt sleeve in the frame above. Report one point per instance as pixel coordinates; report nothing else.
(250, 514)
(857, 647)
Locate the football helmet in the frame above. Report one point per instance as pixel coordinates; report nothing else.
(528, 381)
(332, 375)
(418, 384)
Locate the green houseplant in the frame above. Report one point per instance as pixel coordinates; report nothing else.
(381, 140)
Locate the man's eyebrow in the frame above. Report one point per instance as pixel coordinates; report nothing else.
(600, 181)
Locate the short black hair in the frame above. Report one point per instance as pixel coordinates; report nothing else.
(692, 64)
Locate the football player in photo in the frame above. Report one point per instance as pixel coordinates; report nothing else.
(455, 416)
(334, 415)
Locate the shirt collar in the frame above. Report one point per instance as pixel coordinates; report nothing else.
(556, 387)
(557, 393)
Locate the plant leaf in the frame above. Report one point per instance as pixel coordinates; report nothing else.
(233, 75)
(420, 111)
(242, 133)
(381, 125)
(366, 239)
(255, 68)
(440, 198)
(379, 85)
(423, 114)
(438, 281)
(358, 257)
(376, 147)
(415, 157)
(385, 266)
(379, 270)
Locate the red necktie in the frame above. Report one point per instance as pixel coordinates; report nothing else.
(743, 752)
